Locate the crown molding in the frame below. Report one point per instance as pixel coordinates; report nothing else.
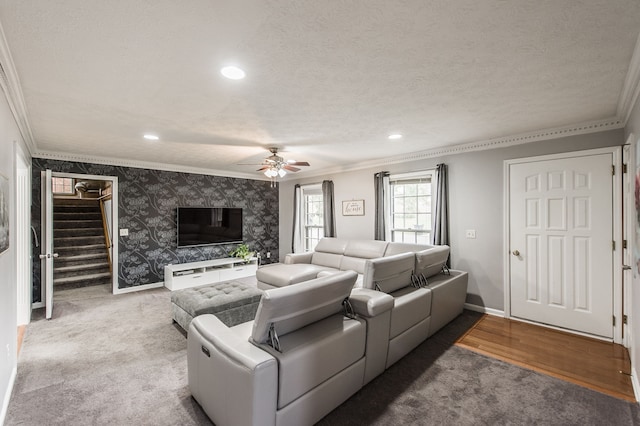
(612, 123)
(119, 162)
(631, 86)
(10, 84)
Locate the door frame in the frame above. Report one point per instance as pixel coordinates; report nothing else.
(24, 262)
(616, 153)
(114, 223)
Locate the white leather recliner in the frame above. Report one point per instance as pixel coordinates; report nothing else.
(299, 359)
(408, 298)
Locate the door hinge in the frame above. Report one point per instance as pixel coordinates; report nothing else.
(624, 319)
(624, 244)
(613, 169)
(613, 245)
(624, 168)
(614, 320)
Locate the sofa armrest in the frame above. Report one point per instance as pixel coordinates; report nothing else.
(375, 307)
(298, 257)
(370, 303)
(232, 379)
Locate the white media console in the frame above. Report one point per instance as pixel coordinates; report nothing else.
(185, 275)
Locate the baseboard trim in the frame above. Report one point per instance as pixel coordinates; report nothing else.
(139, 288)
(7, 394)
(635, 384)
(484, 309)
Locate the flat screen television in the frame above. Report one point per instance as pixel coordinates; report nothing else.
(198, 226)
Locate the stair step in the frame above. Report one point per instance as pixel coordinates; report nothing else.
(83, 249)
(78, 232)
(86, 257)
(77, 241)
(101, 269)
(82, 267)
(84, 223)
(75, 201)
(76, 209)
(77, 216)
(82, 280)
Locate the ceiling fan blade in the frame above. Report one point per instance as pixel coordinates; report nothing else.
(299, 163)
(263, 168)
(291, 168)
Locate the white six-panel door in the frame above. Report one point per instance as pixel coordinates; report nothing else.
(561, 233)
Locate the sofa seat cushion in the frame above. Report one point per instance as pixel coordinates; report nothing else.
(286, 274)
(411, 305)
(328, 272)
(311, 355)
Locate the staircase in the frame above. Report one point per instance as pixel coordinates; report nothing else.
(78, 238)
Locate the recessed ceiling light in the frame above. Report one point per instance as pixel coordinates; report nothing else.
(395, 136)
(150, 137)
(233, 72)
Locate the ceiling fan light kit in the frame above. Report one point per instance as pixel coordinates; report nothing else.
(275, 166)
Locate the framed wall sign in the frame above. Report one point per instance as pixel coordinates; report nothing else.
(353, 208)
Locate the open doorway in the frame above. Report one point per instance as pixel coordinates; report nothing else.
(79, 248)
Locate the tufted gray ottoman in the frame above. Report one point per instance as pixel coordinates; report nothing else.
(232, 302)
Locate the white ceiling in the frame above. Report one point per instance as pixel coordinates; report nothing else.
(326, 80)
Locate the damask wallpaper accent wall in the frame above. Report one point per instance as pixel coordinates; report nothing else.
(147, 202)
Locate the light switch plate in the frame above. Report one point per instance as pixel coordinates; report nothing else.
(470, 233)
(124, 232)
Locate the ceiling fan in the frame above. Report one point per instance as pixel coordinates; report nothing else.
(275, 165)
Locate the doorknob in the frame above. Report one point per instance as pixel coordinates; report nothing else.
(42, 256)
(55, 254)
(516, 253)
(626, 267)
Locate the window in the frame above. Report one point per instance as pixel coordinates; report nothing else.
(62, 185)
(312, 220)
(410, 207)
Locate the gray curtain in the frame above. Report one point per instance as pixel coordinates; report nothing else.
(329, 209)
(440, 234)
(295, 235)
(380, 226)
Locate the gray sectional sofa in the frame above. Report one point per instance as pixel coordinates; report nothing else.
(316, 339)
(336, 254)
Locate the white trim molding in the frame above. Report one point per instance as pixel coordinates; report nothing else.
(612, 123)
(484, 310)
(634, 383)
(7, 394)
(631, 86)
(10, 84)
(135, 288)
(120, 162)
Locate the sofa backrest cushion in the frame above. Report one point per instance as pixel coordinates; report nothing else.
(429, 262)
(358, 251)
(389, 273)
(328, 252)
(397, 248)
(295, 306)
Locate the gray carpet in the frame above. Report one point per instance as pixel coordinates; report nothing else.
(119, 360)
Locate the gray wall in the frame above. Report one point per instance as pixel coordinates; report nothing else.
(8, 319)
(476, 202)
(147, 202)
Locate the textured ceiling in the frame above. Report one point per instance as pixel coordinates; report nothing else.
(326, 80)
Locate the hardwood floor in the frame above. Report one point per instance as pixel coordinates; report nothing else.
(598, 365)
